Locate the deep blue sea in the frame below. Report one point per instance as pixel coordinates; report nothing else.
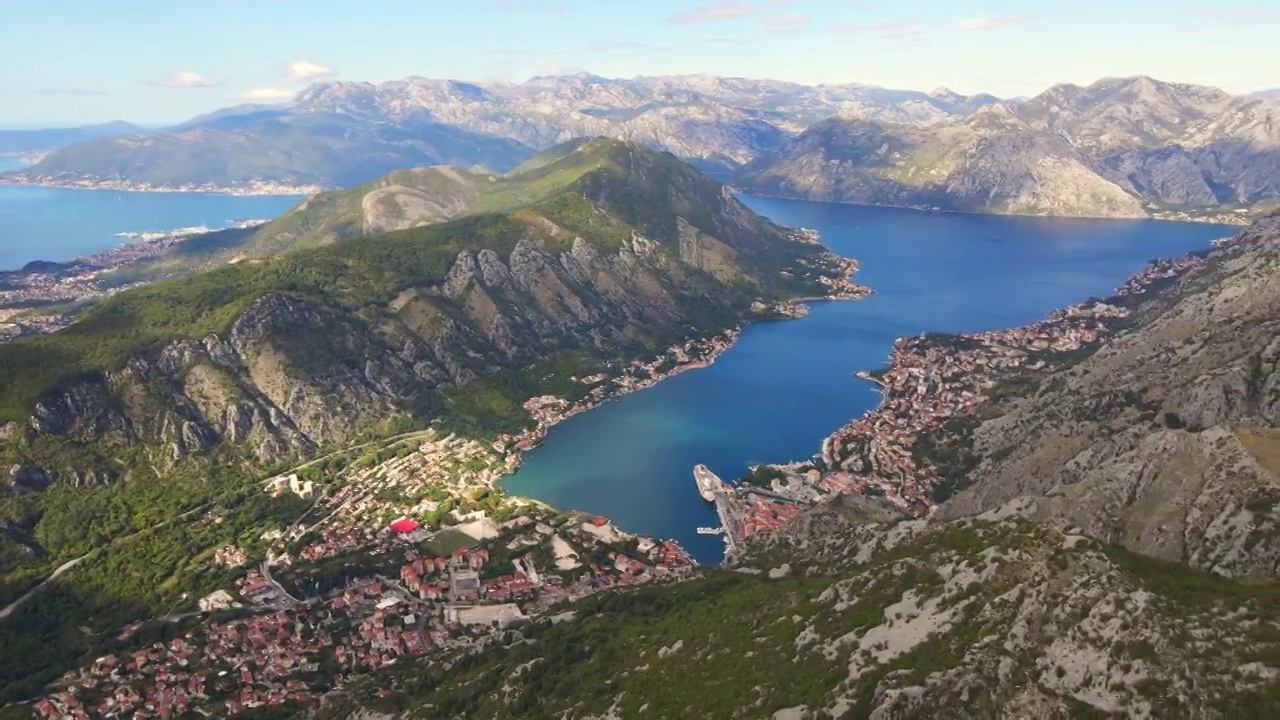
(41, 223)
(786, 385)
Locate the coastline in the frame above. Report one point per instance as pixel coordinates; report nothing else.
(905, 450)
(254, 188)
(262, 188)
(53, 284)
(1222, 217)
(548, 410)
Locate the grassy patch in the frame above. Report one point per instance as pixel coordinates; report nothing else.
(446, 541)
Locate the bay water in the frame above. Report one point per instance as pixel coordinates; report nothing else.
(773, 396)
(59, 224)
(786, 385)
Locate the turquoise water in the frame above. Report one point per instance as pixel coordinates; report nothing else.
(41, 223)
(786, 385)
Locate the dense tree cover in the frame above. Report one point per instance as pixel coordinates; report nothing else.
(605, 194)
(147, 548)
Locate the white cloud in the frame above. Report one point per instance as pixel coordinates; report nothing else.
(992, 23)
(268, 94)
(300, 71)
(187, 80)
(718, 11)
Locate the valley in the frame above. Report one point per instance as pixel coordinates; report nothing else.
(547, 360)
(310, 465)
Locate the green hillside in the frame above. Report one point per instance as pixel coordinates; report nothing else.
(605, 192)
(933, 626)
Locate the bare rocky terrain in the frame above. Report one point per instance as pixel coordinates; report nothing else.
(1165, 438)
(1127, 147)
(1121, 147)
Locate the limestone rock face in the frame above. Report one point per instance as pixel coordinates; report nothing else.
(1166, 438)
(1118, 148)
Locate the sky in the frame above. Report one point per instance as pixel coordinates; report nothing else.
(163, 61)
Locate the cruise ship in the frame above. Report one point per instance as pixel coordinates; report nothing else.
(707, 482)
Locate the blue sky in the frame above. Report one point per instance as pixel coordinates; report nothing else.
(157, 61)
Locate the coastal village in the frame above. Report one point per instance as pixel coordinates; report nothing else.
(25, 293)
(88, 182)
(418, 555)
(932, 387)
(412, 551)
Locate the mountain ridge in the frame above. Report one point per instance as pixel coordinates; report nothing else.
(36, 141)
(626, 249)
(1119, 147)
(1129, 147)
(715, 123)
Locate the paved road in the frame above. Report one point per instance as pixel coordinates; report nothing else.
(7, 611)
(266, 571)
(266, 574)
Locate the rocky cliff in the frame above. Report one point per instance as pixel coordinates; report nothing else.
(1165, 438)
(968, 167)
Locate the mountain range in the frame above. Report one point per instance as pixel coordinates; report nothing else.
(1121, 147)
(1118, 148)
(1113, 548)
(337, 134)
(32, 141)
(270, 148)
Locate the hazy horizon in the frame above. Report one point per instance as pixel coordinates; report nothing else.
(153, 124)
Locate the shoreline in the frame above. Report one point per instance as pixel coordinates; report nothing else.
(718, 344)
(50, 284)
(1226, 218)
(937, 383)
(260, 189)
(513, 447)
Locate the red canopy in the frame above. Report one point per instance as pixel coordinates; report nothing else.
(404, 525)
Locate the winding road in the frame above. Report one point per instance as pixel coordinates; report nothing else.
(13, 606)
(8, 610)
